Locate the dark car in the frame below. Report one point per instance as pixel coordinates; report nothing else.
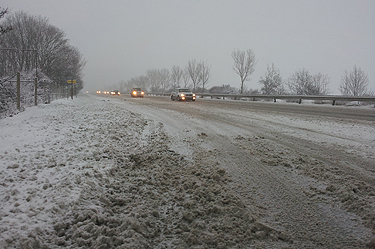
(182, 94)
(115, 92)
(137, 92)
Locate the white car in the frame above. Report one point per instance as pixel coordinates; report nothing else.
(182, 94)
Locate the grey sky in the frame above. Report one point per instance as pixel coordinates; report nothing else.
(122, 39)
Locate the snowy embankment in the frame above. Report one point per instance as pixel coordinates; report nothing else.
(87, 173)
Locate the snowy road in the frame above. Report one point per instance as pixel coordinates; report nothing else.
(152, 173)
(293, 170)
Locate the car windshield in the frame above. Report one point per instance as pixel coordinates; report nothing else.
(183, 90)
(137, 89)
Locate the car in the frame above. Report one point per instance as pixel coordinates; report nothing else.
(182, 94)
(137, 92)
(98, 92)
(115, 92)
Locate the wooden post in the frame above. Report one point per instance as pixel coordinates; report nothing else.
(36, 92)
(44, 94)
(49, 93)
(19, 91)
(71, 90)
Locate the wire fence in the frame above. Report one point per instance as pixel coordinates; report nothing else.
(17, 94)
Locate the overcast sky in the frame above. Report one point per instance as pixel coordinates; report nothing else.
(121, 39)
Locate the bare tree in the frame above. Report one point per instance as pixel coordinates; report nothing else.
(194, 70)
(303, 83)
(36, 44)
(152, 76)
(354, 83)
(186, 77)
(244, 63)
(320, 83)
(159, 79)
(299, 82)
(139, 81)
(4, 29)
(164, 79)
(272, 82)
(176, 76)
(204, 75)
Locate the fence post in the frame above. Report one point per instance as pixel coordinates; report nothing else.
(36, 91)
(72, 90)
(19, 91)
(49, 93)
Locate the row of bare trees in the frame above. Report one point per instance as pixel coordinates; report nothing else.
(302, 82)
(32, 43)
(195, 75)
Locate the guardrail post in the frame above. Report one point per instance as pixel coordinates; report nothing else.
(333, 102)
(300, 101)
(19, 91)
(274, 100)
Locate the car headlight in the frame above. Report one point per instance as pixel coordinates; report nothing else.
(134, 93)
(142, 93)
(193, 94)
(182, 95)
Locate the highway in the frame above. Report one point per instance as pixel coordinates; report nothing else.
(299, 168)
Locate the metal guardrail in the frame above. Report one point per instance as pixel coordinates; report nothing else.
(332, 98)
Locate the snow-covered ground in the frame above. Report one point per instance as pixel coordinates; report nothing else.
(91, 174)
(96, 173)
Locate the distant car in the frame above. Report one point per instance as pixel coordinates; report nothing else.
(182, 94)
(137, 92)
(98, 92)
(115, 92)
